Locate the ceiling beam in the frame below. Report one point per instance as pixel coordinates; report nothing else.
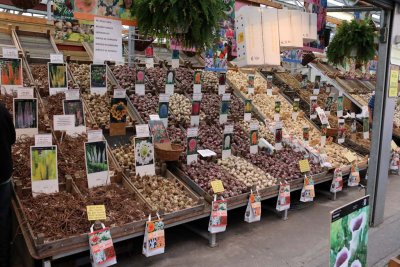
(266, 2)
(385, 4)
(353, 9)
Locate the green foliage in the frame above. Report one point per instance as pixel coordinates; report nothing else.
(355, 36)
(193, 22)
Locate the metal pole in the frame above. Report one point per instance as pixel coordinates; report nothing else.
(49, 16)
(383, 119)
(131, 46)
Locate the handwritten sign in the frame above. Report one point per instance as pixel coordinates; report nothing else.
(304, 165)
(217, 186)
(350, 157)
(96, 212)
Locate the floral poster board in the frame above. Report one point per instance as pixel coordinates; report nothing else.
(11, 72)
(102, 251)
(349, 234)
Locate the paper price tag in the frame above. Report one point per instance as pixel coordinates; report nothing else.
(228, 129)
(9, 52)
(142, 130)
(25, 92)
(56, 58)
(205, 153)
(350, 157)
(119, 93)
(217, 186)
(43, 140)
(63, 122)
(154, 117)
(72, 94)
(95, 135)
(96, 212)
(304, 165)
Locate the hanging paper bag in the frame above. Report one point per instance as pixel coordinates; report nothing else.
(253, 210)
(283, 202)
(337, 182)
(354, 177)
(219, 216)
(308, 192)
(102, 253)
(154, 237)
(394, 163)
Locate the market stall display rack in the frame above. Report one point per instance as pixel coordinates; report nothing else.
(345, 169)
(200, 204)
(41, 249)
(290, 94)
(36, 46)
(337, 85)
(73, 51)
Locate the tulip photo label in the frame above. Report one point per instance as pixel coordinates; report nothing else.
(44, 171)
(25, 116)
(75, 107)
(97, 169)
(58, 81)
(349, 234)
(98, 79)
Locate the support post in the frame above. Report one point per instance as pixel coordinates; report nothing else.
(131, 46)
(212, 240)
(382, 119)
(49, 15)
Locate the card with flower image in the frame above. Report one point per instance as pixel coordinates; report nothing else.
(144, 156)
(102, 251)
(349, 234)
(219, 216)
(154, 238)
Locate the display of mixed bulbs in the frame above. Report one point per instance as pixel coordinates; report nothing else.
(125, 156)
(247, 173)
(239, 79)
(163, 193)
(99, 107)
(181, 108)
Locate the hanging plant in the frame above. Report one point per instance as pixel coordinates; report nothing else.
(25, 4)
(192, 22)
(353, 40)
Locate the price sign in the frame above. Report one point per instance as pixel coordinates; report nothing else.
(96, 212)
(304, 165)
(9, 52)
(350, 157)
(217, 186)
(56, 58)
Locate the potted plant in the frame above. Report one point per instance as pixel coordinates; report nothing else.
(353, 41)
(192, 22)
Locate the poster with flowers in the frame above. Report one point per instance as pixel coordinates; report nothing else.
(219, 216)
(154, 238)
(349, 234)
(11, 72)
(102, 251)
